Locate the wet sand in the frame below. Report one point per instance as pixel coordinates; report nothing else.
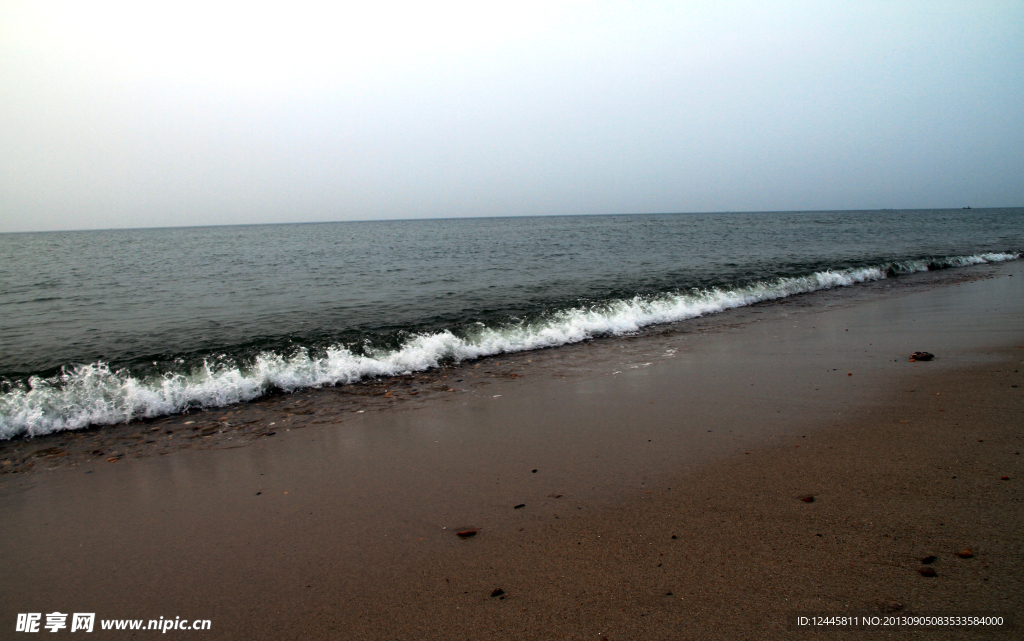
(346, 529)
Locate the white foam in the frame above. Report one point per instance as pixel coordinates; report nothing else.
(96, 395)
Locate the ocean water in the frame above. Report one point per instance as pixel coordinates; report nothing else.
(100, 327)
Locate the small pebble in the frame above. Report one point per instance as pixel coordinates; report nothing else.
(965, 553)
(497, 592)
(927, 572)
(928, 560)
(468, 532)
(807, 498)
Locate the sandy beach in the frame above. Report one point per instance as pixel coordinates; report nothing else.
(553, 321)
(638, 488)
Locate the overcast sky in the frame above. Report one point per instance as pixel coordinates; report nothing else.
(138, 114)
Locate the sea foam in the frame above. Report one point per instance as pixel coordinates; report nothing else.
(97, 395)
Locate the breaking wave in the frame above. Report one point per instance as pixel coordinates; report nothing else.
(95, 394)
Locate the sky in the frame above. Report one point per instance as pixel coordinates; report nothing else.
(154, 114)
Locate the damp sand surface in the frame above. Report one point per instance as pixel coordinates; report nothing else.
(610, 450)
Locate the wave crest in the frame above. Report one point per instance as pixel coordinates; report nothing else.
(97, 395)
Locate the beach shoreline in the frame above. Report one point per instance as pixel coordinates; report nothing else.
(244, 423)
(348, 529)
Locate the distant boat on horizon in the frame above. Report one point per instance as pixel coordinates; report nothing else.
(967, 207)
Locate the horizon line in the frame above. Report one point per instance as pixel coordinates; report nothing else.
(437, 218)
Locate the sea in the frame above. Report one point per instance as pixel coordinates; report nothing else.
(104, 327)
